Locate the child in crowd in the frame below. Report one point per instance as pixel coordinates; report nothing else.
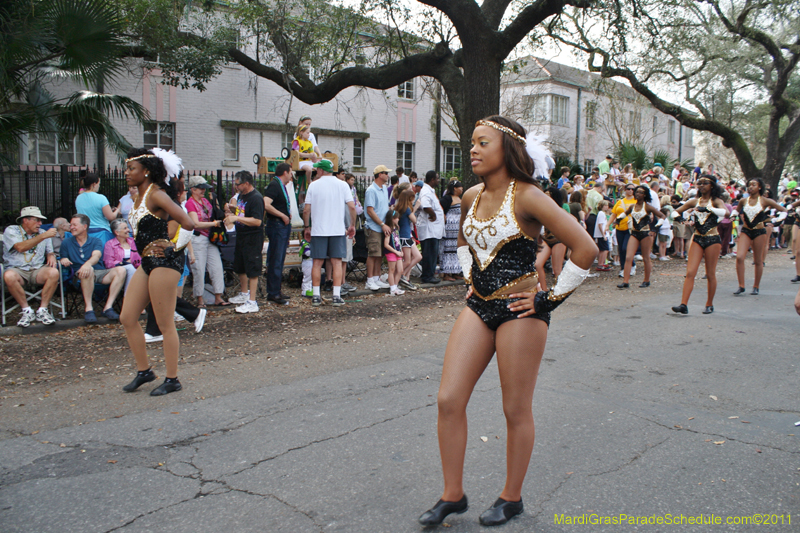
(306, 264)
(600, 235)
(305, 148)
(614, 248)
(664, 234)
(394, 255)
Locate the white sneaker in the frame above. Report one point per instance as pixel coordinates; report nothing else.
(622, 273)
(384, 278)
(43, 315)
(241, 298)
(633, 270)
(199, 321)
(370, 285)
(652, 255)
(398, 292)
(637, 257)
(26, 318)
(616, 263)
(248, 307)
(382, 284)
(663, 258)
(178, 317)
(153, 338)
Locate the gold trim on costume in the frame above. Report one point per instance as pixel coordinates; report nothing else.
(526, 283)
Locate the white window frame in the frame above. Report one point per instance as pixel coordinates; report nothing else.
(655, 123)
(671, 131)
(559, 109)
(588, 165)
(591, 115)
(75, 148)
(688, 136)
(159, 129)
(358, 152)
(287, 138)
(230, 138)
(405, 155)
(406, 90)
(452, 158)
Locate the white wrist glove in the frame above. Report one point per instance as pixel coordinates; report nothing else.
(465, 259)
(570, 279)
(719, 211)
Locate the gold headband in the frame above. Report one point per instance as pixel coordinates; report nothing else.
(139, 157)
(499, 127)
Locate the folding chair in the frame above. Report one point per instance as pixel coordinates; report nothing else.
(7, 299)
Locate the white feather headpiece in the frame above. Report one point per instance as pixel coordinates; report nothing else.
(171, 161)
(538, 152)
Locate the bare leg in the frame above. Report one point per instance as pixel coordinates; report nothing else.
(411, 257)
(520, 346)
(742, 245)
(87, 289)
(712, 257)
(48, 277)
(116, 280)
(692, 265)
(336, 271)
(469, 350)
(163, 285)
(135, 302)
(13, 283)
(647, 246)
(759, 250)
(633, 245)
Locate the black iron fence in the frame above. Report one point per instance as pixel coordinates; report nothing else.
(54, 189)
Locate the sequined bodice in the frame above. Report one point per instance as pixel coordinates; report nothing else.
(146, 226)
(503, 255)
(641, 220)
(705, 220)
(487, 236)
(753, 214)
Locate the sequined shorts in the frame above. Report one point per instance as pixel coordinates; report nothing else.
(640, 235)
(496, 312)
(753, 233)
(151, 262)
(707, 240)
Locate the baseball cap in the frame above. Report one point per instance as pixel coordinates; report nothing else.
(379, 169)
(324, 164)
(30, 211)
(419, 183)
(198, 182)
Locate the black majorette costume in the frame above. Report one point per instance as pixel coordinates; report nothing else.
(640, 229)
(706, 219)
(753, 217)
(149, 229)
(499, 260)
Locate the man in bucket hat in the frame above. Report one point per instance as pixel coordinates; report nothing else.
(28, 259)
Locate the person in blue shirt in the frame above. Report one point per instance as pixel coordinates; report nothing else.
(376, 204)
(564, 179)
(95, 205)
(83, 253)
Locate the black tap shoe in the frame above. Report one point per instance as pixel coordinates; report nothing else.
(682, 309)
(140, 379)
(436, 514)
(500, 512)
(739, 291)
(708, 310)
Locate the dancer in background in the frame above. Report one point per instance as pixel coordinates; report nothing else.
(709, 211)
(639, 225)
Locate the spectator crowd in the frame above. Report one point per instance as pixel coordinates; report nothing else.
(402, 221)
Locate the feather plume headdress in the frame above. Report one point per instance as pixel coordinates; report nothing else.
(539, 153)
(172, 163)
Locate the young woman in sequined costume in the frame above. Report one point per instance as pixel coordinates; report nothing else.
(639, 228)
(501, 220)
(753, 232)
(709, 210)
(156, 279)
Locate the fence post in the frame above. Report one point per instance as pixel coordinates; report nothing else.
(219, 188)
(65, 196)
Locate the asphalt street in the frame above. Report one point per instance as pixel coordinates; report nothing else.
(639, 412)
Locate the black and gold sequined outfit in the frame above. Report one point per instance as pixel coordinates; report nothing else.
(503, 258)
(753, 217)
(148, 228)
(705, 227)
(640, 229)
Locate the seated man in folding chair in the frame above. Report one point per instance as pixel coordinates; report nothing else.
(84, 254)
(28, 259)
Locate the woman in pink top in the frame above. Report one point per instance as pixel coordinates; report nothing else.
(206, 254)
(121, 250)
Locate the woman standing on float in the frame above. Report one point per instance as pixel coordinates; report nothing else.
(753, 232)
(709, 210)
(500, 221)
(156, 279)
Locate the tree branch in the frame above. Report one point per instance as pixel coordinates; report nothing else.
(529, 18)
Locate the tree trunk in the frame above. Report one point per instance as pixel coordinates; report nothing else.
(481, 98)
